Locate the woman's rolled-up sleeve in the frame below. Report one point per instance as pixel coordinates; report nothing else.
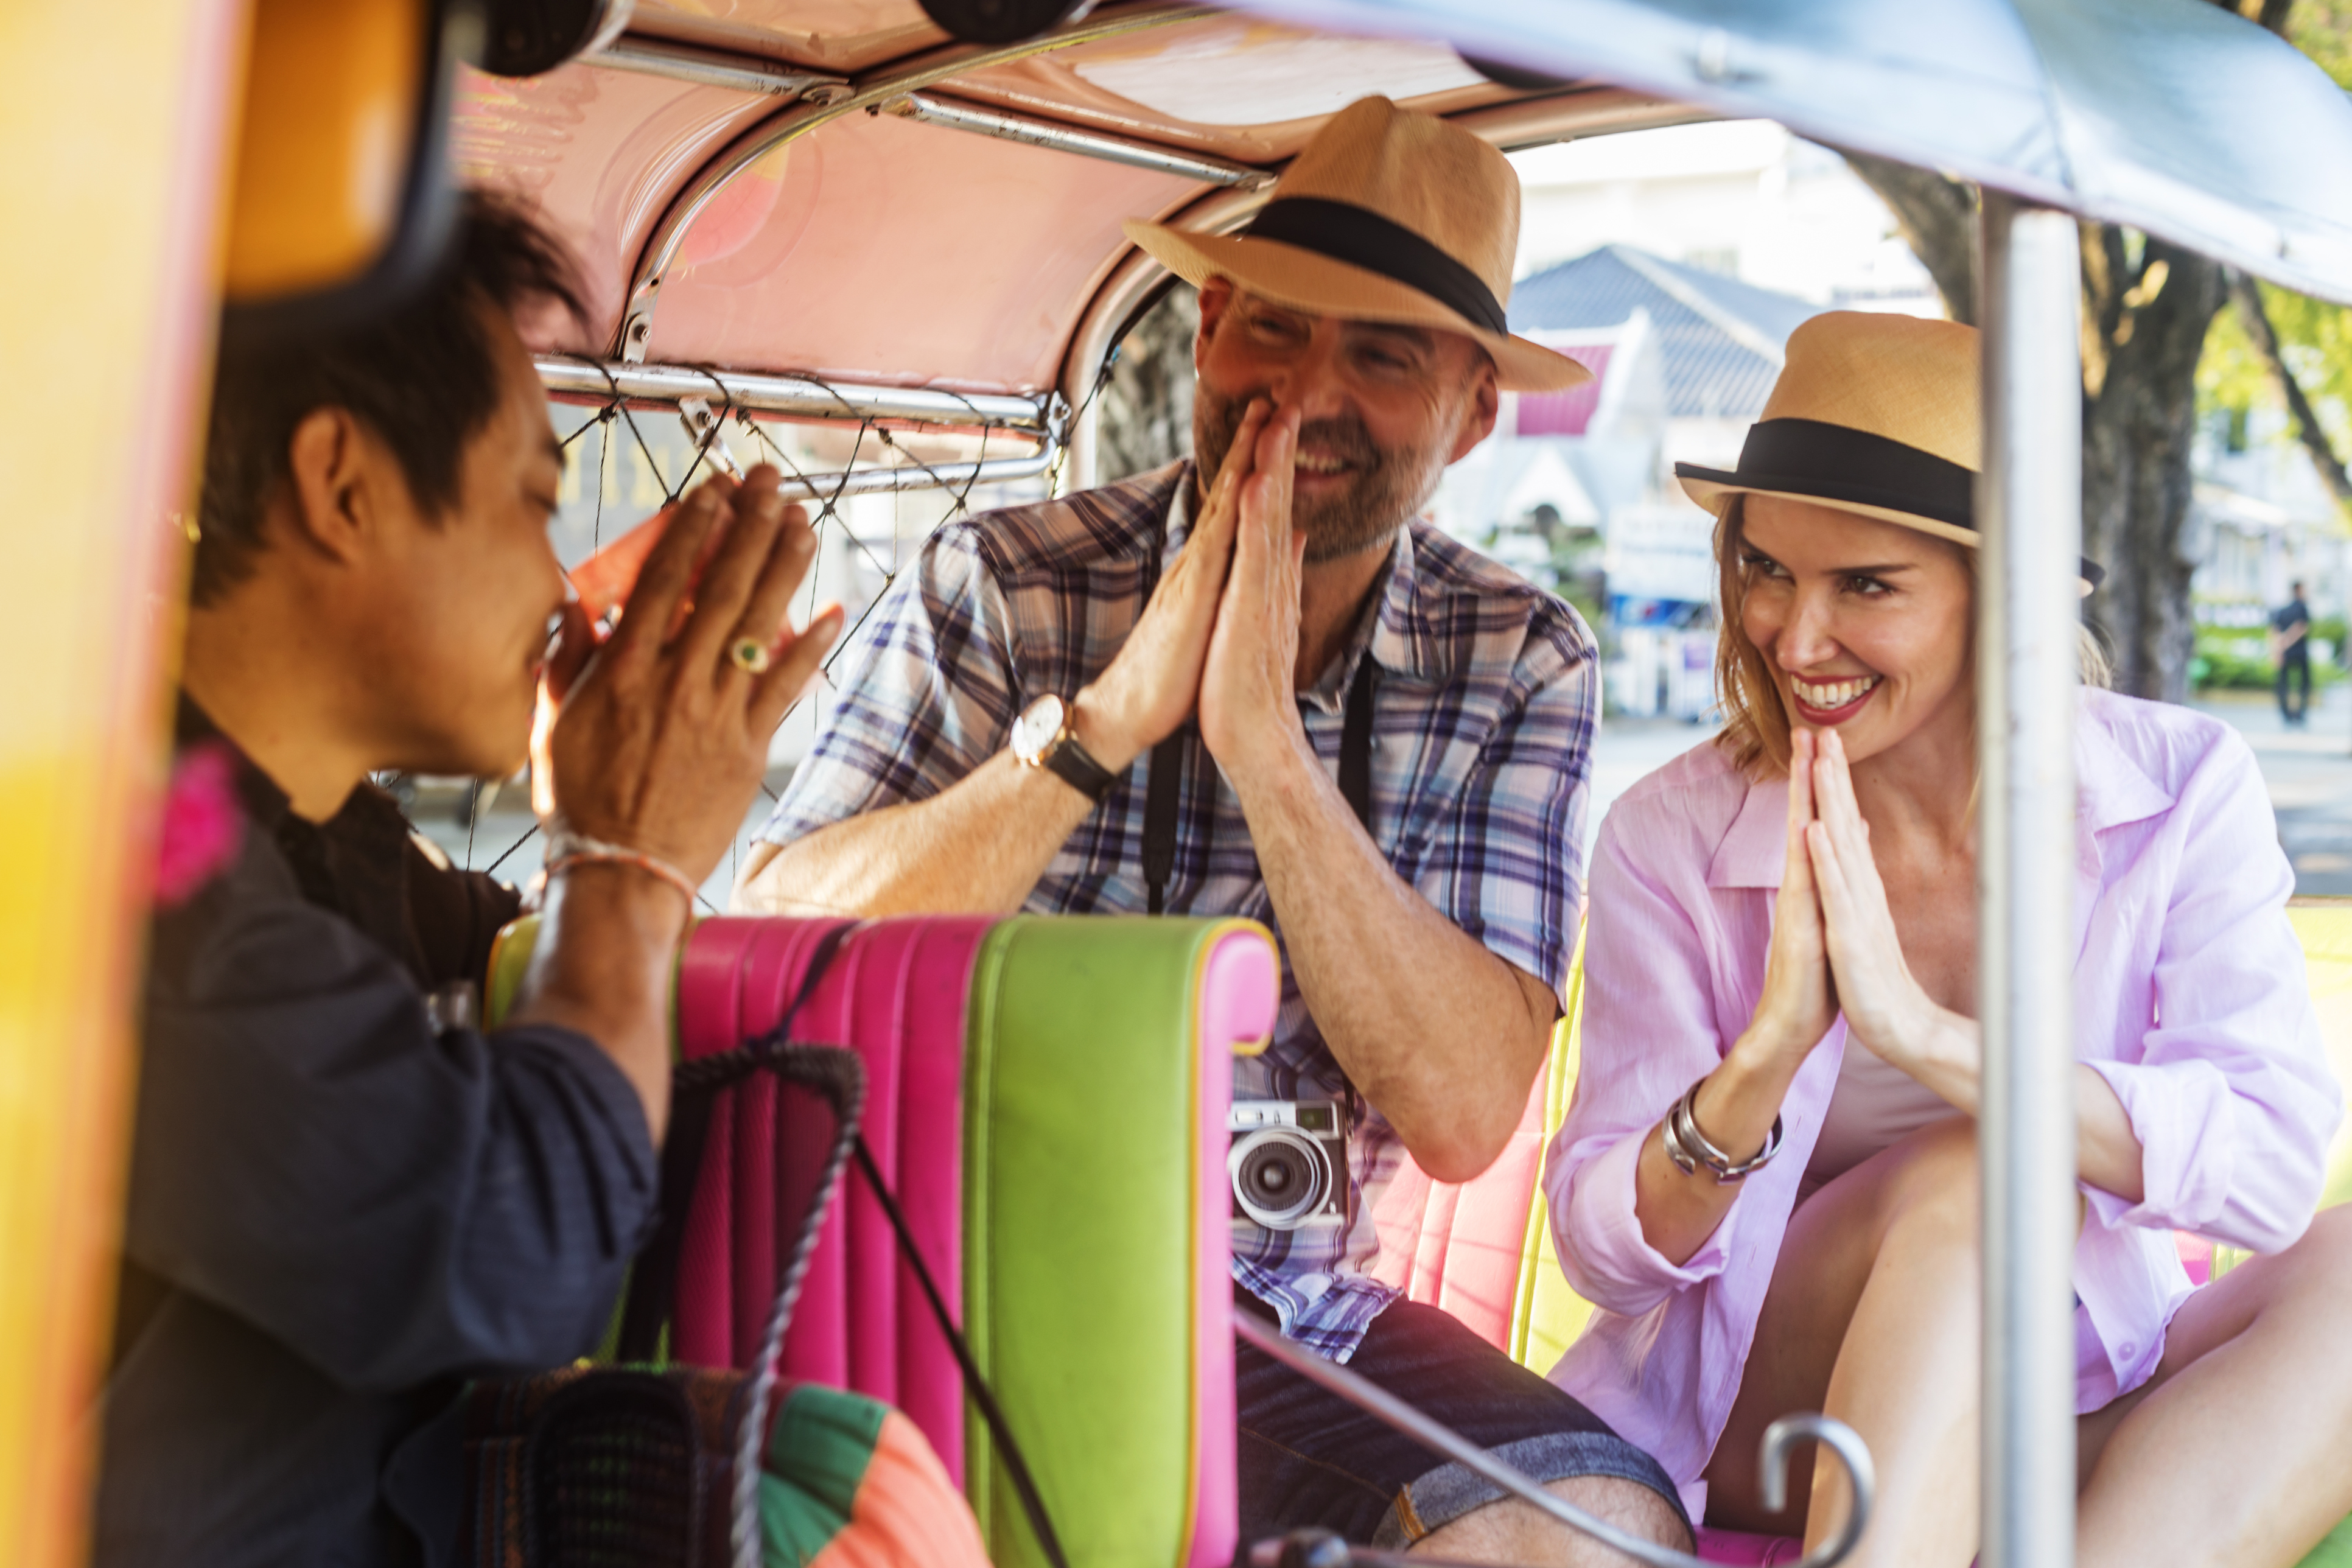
(2230, 1096)
(1648, 1034)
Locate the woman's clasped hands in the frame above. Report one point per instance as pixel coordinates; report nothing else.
(1834, 943)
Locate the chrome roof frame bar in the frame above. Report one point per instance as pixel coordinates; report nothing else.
(1043, 420)
(728, 68)
(925, 109)
(794, 397)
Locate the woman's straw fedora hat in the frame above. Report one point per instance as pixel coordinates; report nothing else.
(1877, 415)
(1387, 216)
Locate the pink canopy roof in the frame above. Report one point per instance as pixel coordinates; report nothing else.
(875, 249)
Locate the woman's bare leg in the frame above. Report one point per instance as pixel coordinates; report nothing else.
(2239, 1451)
(1872, 1317)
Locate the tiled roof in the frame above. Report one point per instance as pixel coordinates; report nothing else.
(1709, 371)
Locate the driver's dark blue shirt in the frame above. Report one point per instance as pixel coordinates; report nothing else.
(337, 1212)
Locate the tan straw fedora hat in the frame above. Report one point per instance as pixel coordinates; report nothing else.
(1877, 415)
(1387, 216)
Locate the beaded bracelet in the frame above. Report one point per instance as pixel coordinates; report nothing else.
(567, 849)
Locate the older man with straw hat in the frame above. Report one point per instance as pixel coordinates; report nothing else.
(1260, 683)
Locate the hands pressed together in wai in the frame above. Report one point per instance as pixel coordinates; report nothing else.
(1220, 635)
(1835, 946)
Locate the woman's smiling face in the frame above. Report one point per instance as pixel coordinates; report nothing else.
(1866, 625)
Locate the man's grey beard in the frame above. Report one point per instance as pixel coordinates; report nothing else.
(1385, 491)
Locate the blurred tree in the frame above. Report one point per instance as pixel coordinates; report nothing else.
(2148, 306)
(2281, 347)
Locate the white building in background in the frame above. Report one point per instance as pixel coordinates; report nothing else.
(1743, 198)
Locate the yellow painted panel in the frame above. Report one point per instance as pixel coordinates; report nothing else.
(2325, 925)
(113, 129)
(328, 121)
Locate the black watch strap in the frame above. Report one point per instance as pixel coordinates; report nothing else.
(1075, 767)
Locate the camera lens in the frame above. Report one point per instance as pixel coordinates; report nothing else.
(1280, 1178)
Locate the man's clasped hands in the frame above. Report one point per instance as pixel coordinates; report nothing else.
(1220, 636)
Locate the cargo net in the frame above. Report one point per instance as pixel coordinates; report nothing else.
(874, 488)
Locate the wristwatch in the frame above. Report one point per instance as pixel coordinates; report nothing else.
(1042, 739)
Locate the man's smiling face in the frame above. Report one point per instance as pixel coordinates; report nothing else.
(1385, 408)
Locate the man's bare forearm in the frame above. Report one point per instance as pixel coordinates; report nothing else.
(976, 847)
(1442, 1037)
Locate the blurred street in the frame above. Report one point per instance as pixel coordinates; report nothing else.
(2309, 771)
(1627, 751)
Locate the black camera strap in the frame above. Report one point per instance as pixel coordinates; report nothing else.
(1169, 761)
(1016, 1466)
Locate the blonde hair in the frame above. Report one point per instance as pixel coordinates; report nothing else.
(1755, 720)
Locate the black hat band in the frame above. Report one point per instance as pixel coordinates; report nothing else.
(1359, 237)
(1835, 463)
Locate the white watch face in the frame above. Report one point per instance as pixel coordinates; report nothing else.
(1036, 729)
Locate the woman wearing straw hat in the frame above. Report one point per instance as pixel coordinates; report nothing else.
(1767, 1182)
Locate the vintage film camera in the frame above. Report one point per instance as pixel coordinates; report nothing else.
(1288, 1164)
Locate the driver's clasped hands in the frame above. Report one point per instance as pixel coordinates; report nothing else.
(655, 738)
(1220, 635)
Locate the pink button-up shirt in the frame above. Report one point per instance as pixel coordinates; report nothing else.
(2190, 999)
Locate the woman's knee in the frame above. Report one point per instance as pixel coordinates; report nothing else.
(1931, 1182)
(2321, 1258)
(2306, 1285)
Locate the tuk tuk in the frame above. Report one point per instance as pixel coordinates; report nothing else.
(878, 243)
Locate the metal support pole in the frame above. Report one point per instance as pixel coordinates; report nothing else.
(717, 67)
(926, 109)
(2029, 507)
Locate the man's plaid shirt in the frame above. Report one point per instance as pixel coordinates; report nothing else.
(1485, 703)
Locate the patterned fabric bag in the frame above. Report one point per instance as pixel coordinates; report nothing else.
(665, 1466)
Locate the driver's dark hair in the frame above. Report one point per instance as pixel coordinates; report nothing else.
(422, 377)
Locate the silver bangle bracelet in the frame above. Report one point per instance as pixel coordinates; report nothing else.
(1690, 1150)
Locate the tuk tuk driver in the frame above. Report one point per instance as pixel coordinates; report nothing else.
(1260, 684)
(345, 1198)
